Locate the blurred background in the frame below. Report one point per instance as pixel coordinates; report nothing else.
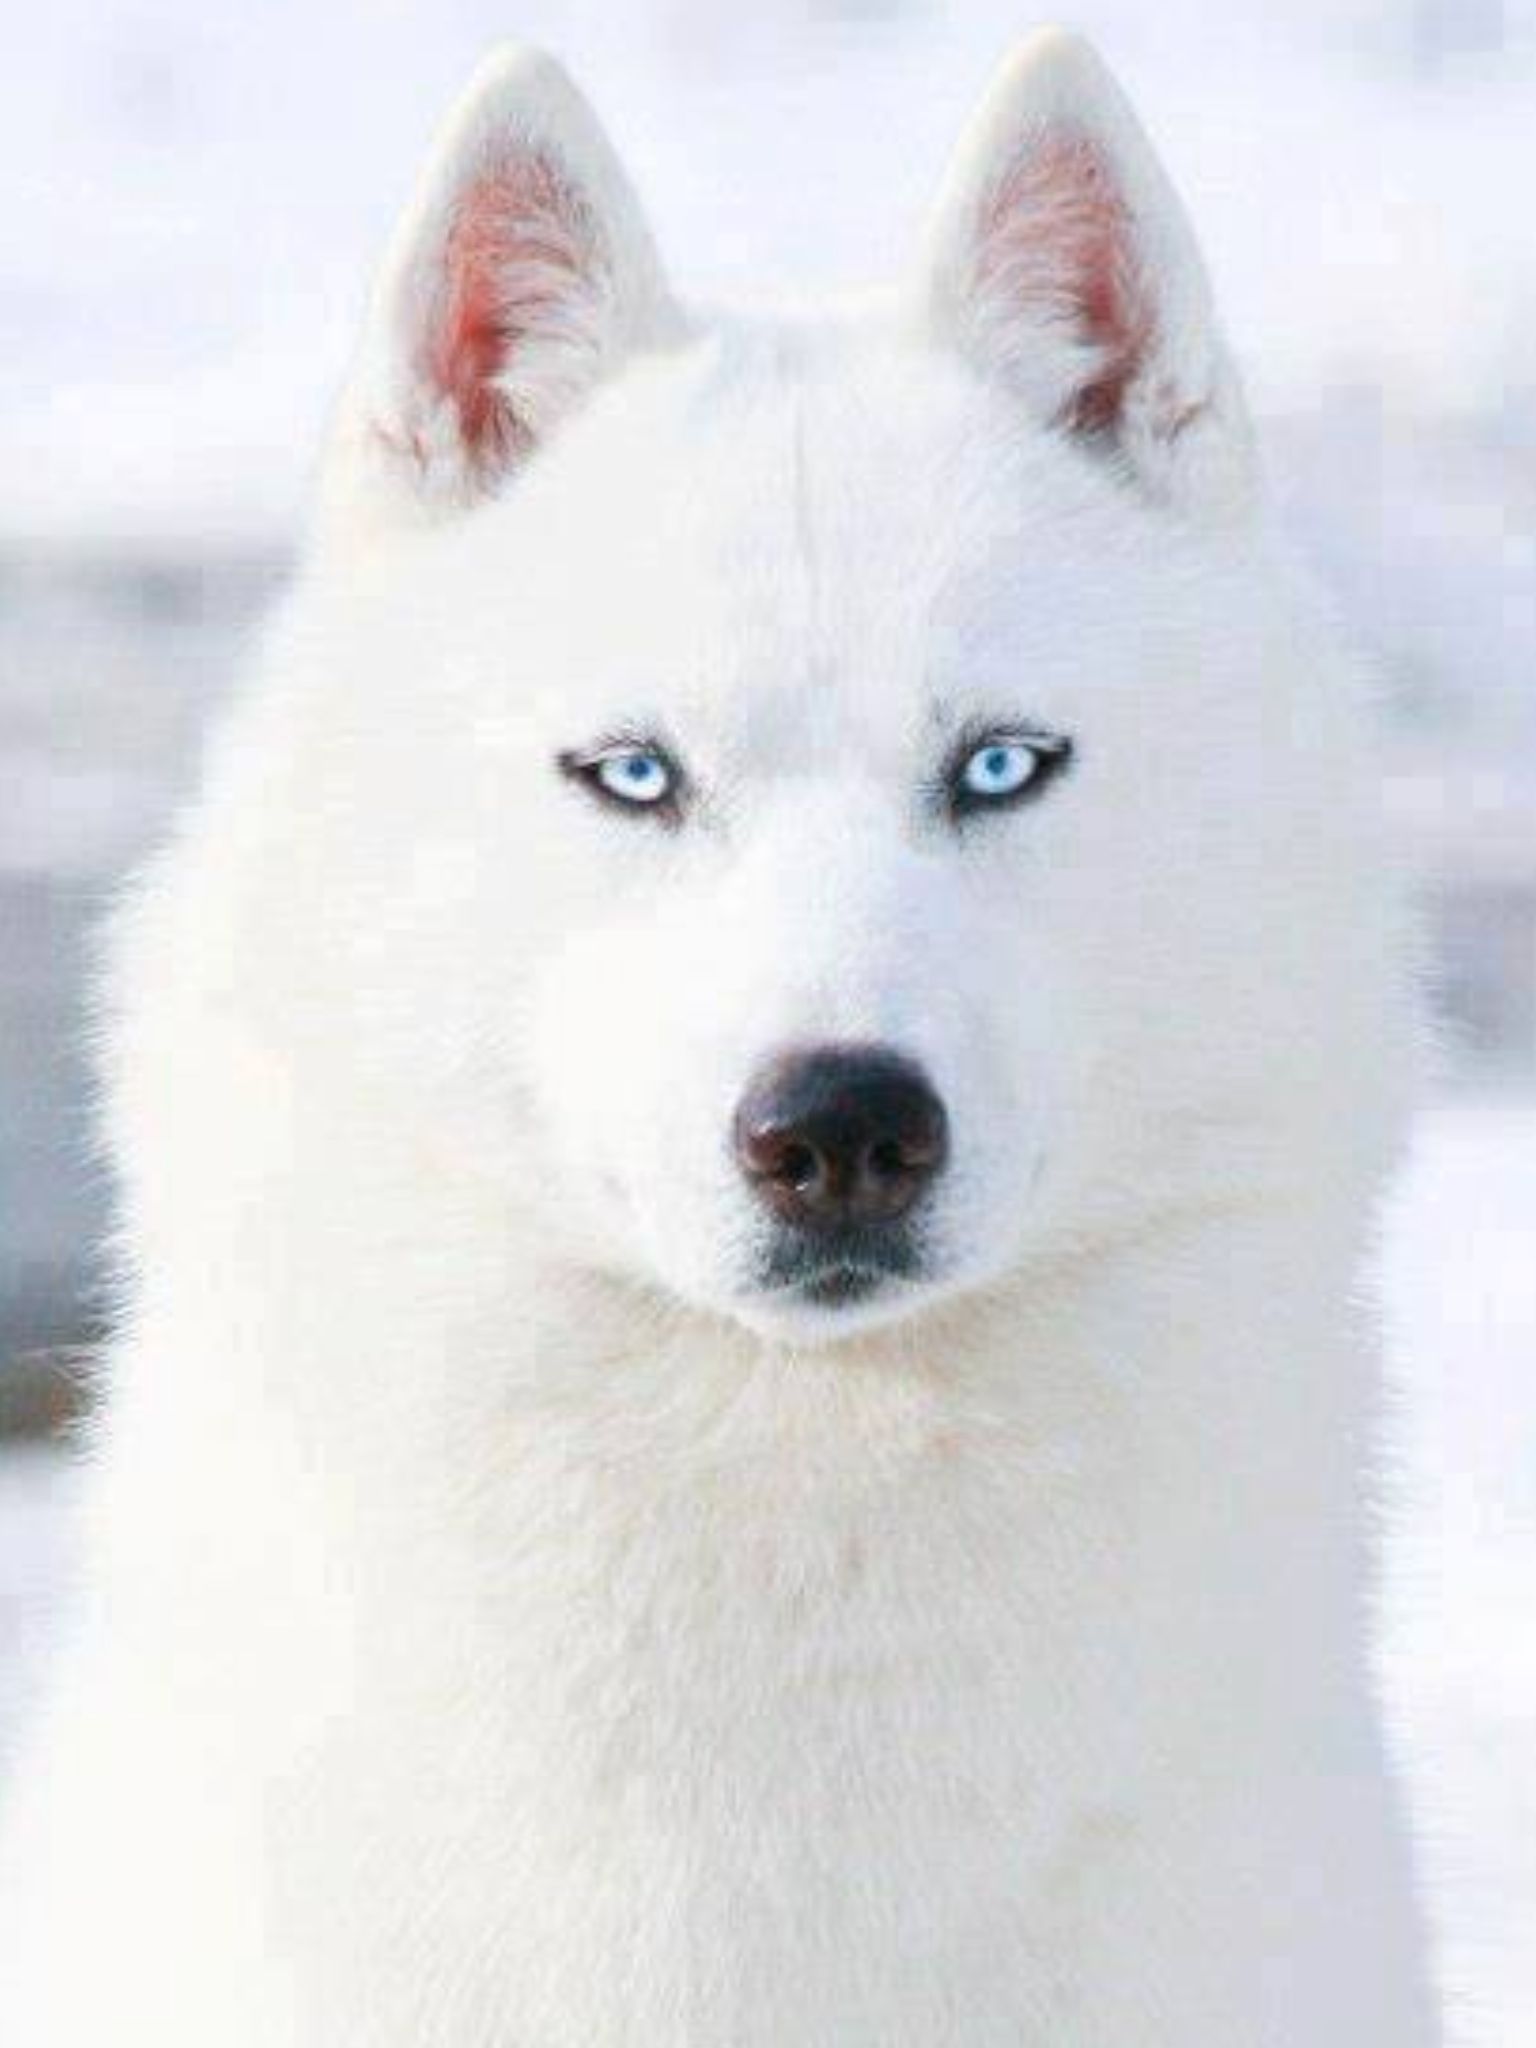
(194, 198)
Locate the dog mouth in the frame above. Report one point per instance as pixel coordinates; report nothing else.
(839, 1272)
(840, 1286)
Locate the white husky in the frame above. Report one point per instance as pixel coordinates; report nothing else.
(748, 1109)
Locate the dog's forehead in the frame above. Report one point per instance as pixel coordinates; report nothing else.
(789, 530)
(857, 475)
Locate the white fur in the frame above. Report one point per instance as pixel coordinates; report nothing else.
(506, 1627)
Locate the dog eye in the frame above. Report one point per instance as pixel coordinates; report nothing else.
(1003, 768)
(637, 774)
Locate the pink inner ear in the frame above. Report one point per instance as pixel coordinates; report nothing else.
(511, 260)
(1057, 238)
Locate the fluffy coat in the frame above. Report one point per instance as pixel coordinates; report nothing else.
(506, 1625)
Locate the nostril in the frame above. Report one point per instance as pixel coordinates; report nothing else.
(888, 1160)
(797, 1167)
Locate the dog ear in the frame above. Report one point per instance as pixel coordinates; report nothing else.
(1060, 260)
(522, 274)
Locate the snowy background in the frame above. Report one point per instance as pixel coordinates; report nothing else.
(193, 197)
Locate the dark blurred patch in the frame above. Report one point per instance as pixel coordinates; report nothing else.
(43, 1392)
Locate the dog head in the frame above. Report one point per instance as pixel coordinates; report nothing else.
(824, 809)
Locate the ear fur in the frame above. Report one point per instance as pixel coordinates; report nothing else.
(1061, 261)
(522, 274)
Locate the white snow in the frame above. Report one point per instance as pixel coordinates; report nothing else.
(1460, 1275)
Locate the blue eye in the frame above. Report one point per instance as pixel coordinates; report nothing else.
(635, 773)
(1004, 768)
(1001, 768)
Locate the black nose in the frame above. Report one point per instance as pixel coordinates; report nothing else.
(841, 1135)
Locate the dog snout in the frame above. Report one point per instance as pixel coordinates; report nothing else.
(841, 1135)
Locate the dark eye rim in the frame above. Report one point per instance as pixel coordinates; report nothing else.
(583, 766)
(1054, 751)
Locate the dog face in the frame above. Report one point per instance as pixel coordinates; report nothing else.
(843, 779)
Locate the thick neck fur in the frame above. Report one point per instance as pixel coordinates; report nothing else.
(431, 1385)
